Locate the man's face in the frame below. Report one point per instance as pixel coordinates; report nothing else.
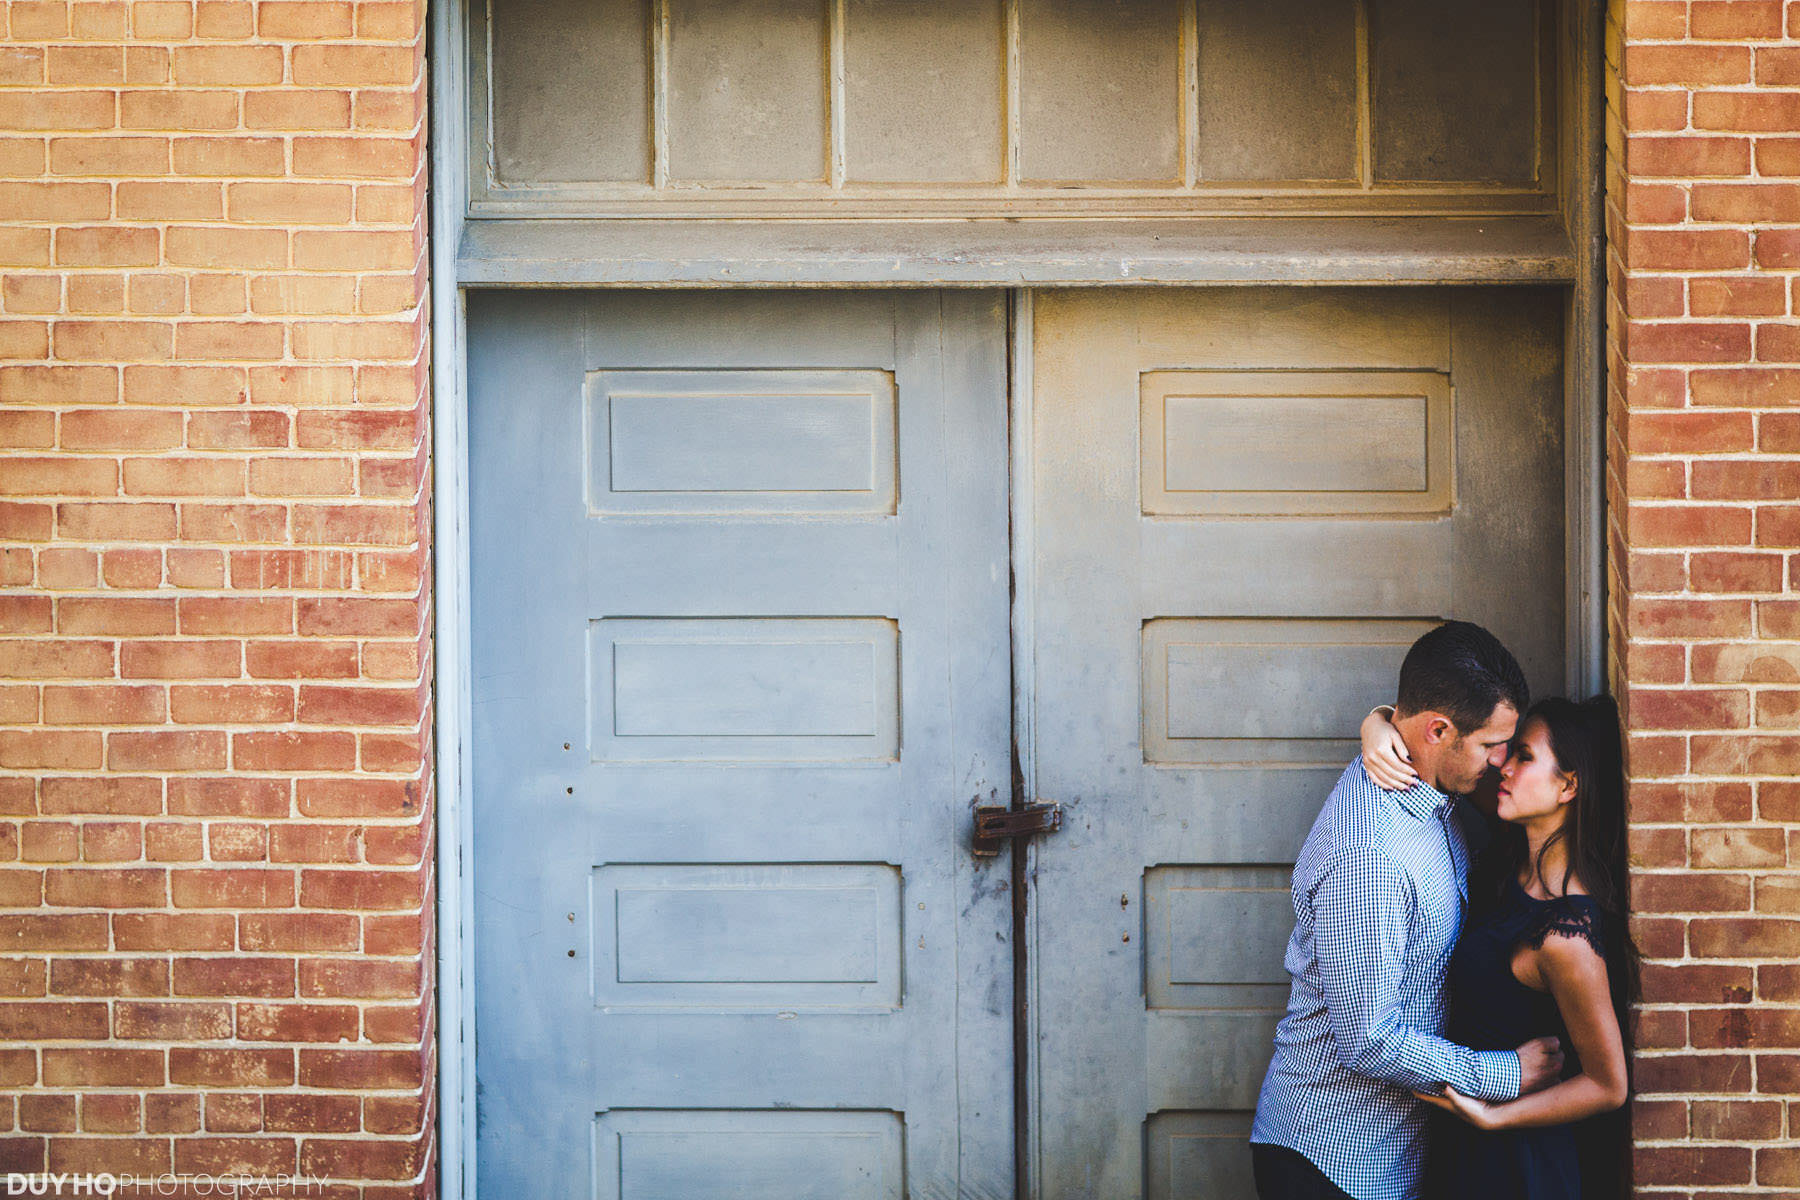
(1468, 756)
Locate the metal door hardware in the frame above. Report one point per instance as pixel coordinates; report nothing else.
(995, 825)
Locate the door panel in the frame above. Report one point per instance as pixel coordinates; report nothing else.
(740, 591)
(1248, 503)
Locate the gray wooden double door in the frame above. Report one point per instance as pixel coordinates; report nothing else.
(743, 582)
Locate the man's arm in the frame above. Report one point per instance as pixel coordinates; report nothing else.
(1359, 935)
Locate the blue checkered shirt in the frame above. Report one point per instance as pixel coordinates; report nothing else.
(1379, 894)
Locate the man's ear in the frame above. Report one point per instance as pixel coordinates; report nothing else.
(1438, 729)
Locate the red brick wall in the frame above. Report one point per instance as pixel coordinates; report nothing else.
(1703, 215)
(214, 664)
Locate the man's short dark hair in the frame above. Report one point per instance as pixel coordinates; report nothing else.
(1461, 670)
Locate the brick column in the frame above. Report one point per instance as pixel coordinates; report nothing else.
(215, 904)
(1703, 167)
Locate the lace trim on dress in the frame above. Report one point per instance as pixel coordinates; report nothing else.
(1567, 917)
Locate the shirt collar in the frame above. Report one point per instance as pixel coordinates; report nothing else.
(1422, 800)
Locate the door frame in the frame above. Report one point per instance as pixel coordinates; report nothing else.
(449, 140)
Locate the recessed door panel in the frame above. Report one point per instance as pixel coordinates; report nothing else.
(1248, 503)
(740, 609)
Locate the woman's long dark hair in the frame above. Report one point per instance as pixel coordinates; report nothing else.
(1585, 739)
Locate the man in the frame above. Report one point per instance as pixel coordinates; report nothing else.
(1379, 894)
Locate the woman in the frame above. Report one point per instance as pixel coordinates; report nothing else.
(1544, 952)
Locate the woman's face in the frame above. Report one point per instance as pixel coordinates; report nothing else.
(1532, 786)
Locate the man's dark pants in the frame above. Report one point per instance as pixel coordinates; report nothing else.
(1284, 1174)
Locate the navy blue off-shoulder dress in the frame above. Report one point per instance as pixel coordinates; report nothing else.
(1491, 1010)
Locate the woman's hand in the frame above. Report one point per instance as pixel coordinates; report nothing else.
(1384, 752)
(1478, 1113)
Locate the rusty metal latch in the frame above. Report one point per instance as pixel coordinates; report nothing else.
(995, 825)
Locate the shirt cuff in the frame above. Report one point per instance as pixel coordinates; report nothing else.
(1497, 1074)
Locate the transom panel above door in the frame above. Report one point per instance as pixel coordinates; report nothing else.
(740, 586)
(1247, 503)
(601, 108)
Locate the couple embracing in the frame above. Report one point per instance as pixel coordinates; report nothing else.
(1458, 924)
